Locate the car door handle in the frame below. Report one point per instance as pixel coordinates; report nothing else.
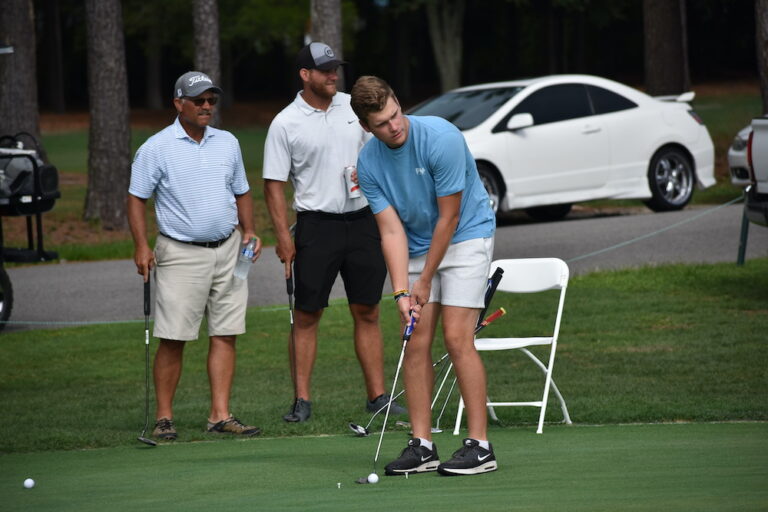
(590, 129)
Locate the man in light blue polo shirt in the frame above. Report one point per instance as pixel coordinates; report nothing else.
(437, 228)
(204, 210)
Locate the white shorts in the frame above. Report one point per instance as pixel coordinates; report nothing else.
(462, 276)
(192, 281)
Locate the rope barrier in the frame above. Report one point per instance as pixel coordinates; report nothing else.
(649, 235)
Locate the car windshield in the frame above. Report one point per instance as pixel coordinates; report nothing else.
(466, 109)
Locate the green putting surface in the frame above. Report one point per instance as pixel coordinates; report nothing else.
(691, 466)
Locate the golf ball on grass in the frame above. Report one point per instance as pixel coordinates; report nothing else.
(29, 483)
(373, 478)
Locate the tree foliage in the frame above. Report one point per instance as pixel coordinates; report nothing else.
(147, 24)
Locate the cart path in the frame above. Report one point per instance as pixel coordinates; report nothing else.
(57, 294)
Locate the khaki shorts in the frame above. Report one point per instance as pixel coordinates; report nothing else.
(462, 276)
(193, 281)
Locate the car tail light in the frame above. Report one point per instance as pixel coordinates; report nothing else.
(749, 158)
(696, 117)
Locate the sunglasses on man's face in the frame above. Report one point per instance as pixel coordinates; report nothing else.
(199, 102)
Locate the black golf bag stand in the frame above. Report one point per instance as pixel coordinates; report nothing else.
(28, 187)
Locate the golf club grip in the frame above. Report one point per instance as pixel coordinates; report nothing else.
(409, 328)
(146, 297)
(289, 285)
(493, 283)
(493, 316)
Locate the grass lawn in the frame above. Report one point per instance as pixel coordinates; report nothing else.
(664, 344)
(703, 467)
(663, 369)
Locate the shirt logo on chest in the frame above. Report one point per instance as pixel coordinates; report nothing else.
(419, 171)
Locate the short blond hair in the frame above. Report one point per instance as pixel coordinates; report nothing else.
(369, 95)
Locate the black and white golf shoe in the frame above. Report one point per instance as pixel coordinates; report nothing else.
(470, 459)
(414, 459)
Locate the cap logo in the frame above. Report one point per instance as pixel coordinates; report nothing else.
(198, 78)
(329, 52)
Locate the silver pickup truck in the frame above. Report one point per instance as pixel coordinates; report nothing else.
(756, 206)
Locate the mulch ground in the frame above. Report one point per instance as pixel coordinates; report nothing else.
(237, 116)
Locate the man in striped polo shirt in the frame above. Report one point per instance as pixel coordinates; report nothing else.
(204, 211)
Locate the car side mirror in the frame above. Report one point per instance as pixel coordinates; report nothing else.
(519, 121)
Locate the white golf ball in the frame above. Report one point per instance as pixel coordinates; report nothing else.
(373, 478)
(29, 483)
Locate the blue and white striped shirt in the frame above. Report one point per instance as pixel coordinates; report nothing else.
(194, 184)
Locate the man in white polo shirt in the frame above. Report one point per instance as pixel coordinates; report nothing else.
(310, 142)
(204, 210)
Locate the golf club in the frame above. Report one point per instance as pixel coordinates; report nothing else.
(480, 326)
(406, 336)
(292, 417)
(289, 289)
(364, 431)
(490, 289)
(142, 437)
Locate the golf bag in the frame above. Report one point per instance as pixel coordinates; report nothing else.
(27, 184)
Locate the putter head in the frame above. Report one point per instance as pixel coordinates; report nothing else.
(359, 430)
(148, 441)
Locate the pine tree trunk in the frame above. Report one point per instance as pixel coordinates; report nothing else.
(18, 79)
(446, 22)
(761, 40)
(207, 46)
(53, 56)
(109, 161)
(326, 27)
(666, 47)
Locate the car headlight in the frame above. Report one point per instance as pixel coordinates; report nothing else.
(738, 144)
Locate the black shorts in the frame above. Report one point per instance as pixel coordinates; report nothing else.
(328, 244)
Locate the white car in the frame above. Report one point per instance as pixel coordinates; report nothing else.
(737, 158)
(542, 144)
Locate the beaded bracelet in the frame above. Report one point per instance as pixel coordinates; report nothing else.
(400, 295)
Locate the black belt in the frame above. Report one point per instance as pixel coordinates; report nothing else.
(210, 245)
(357, 214)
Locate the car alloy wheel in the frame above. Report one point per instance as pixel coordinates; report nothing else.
(671, 179)
(491, 185)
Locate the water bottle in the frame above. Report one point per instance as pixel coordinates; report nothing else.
(244, 260)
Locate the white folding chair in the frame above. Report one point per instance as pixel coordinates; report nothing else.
(529, 276)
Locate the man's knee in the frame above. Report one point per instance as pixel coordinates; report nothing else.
(365, 313)
(307, 320)
(171, 346)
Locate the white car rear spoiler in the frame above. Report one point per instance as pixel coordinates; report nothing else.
(686, 97)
